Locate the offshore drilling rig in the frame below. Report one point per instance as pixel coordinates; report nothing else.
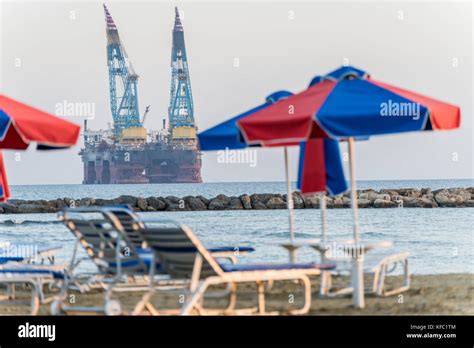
(128, 153)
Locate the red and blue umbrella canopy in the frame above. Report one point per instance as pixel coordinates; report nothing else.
(320, 167)
(21, 124)
(347, 103)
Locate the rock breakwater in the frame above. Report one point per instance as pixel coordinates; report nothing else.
(385, 198)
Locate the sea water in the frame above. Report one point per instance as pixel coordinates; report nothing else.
(439, 240)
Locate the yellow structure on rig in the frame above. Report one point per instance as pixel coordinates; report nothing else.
(183, 133)
(133, 135)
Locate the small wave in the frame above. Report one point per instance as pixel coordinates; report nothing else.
(28, 222)
(286, 234)
(374, 234)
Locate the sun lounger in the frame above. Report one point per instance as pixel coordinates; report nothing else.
(183, 256)
(131, 223)
(34, 276)
(25, 264)
(122, 264)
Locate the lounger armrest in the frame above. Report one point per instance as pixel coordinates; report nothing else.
(234, 250)
(32, 272)
(277, 267)
(158, 220)
(229, 253)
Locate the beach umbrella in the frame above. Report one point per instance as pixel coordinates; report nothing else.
(21, 124)
(313, 174)
(347, 104)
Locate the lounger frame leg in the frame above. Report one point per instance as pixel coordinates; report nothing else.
(232, 298)
(261, 297)
(34, 302)
(11, 291)
(326, 283)
(197, 294)
(201, 288)
(307, 297)
(35, 298)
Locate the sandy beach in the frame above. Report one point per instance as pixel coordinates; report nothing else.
(447, 294)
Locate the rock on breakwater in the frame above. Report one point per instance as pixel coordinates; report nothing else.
(386, 198)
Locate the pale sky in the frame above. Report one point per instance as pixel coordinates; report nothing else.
(52, 52)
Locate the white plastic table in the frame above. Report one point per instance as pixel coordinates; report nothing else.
(294, 246)
(356, 252)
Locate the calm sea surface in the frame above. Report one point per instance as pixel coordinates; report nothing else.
(439, 240)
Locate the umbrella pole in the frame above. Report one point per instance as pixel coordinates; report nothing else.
(322, 206)
(357, 274)
(289, 198)
(354, 203)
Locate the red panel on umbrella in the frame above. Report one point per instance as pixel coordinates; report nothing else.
(288, 121)
(32, 125)
(314, 167)
(442, 115)
(13, 140)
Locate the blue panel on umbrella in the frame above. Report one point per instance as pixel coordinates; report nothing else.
(358, 108)
(4, 122)
(278, 95)
(315, 80)
(43, 147)
(299, 181)
(335, 179)
(227, 135)
(344, 72)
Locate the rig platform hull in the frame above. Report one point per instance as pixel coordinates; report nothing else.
(141, 166)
